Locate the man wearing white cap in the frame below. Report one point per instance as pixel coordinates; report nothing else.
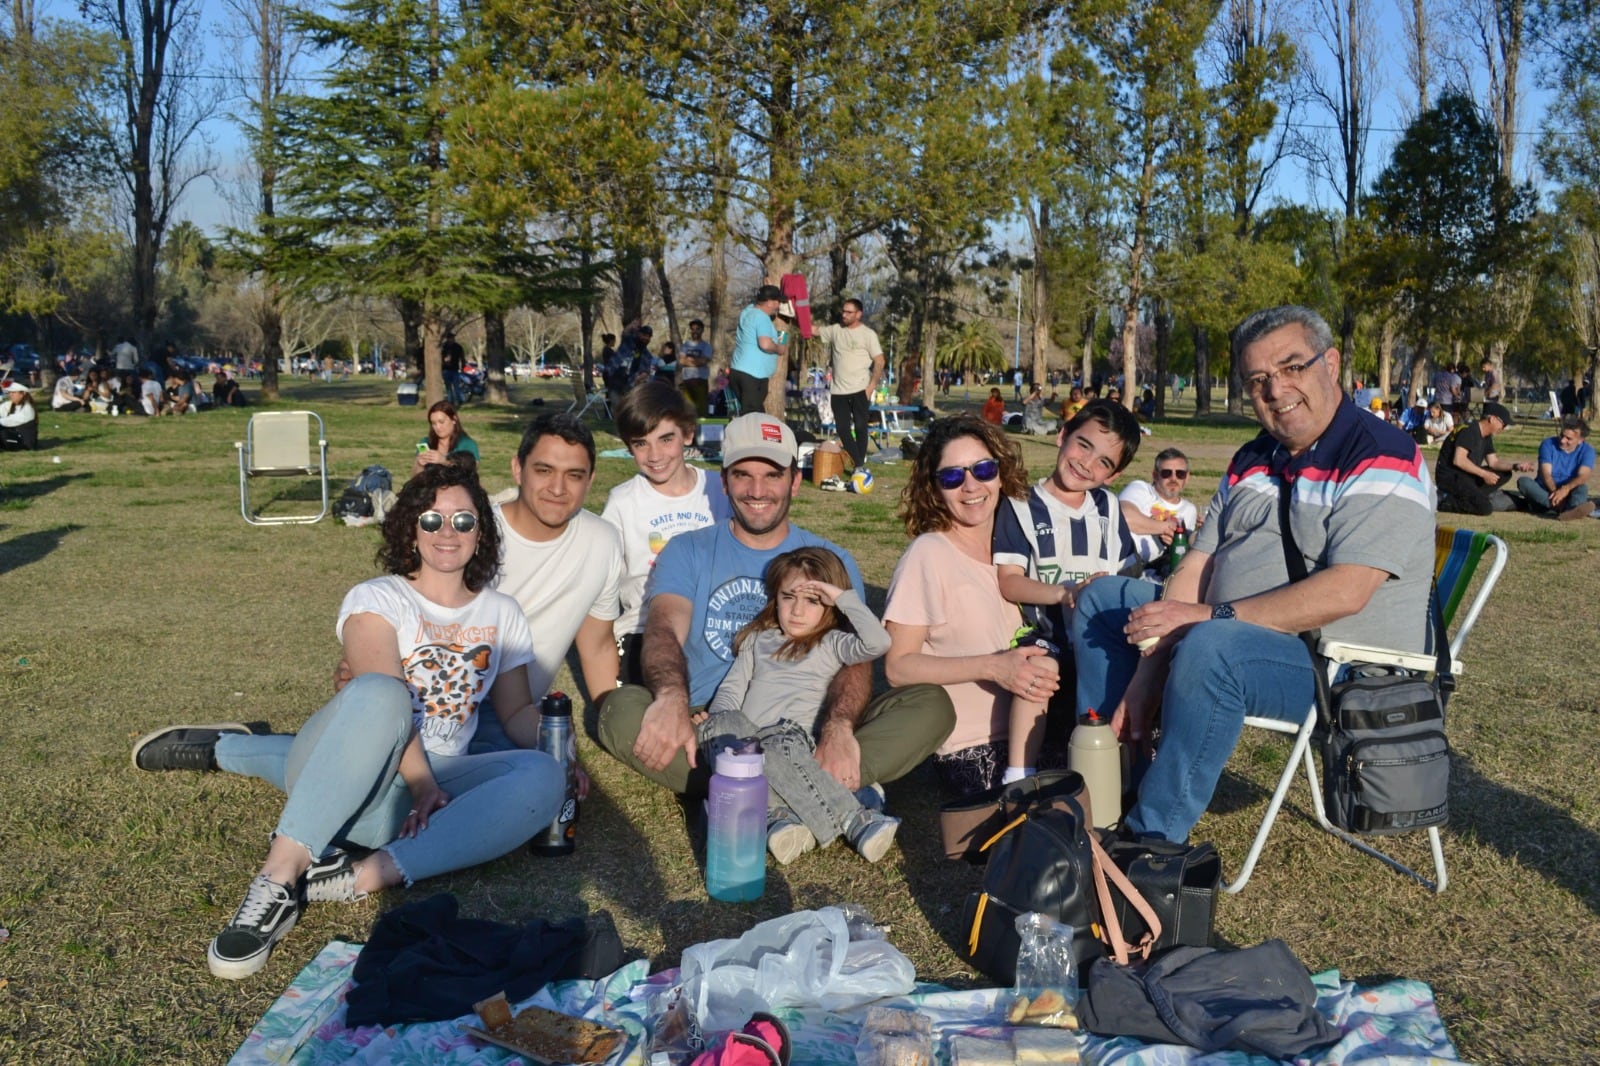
(706, 585)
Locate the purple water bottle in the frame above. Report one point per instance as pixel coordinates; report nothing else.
(736, 828)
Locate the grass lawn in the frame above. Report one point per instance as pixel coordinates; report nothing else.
(135, 596)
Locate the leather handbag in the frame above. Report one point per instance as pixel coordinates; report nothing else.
(1179, 881)
(968, 823)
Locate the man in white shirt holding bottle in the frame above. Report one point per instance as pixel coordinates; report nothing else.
(1154, 509)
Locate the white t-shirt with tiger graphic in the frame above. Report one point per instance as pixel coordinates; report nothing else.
(451, 655)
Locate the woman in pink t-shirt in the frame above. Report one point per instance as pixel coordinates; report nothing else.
(947, 622)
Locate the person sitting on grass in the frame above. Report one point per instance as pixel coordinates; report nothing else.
(19, 421)
(812, 626)
(446, 437)
(1048, 546)
(384, 764)
(1565, 462)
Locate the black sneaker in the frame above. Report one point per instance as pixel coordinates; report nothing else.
(267, 914)
(182, 747)
(332, 880)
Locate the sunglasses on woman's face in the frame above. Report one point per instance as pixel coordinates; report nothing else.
(460, 521)
(953, 477)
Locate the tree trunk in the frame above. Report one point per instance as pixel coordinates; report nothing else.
(658, 255)
(494, 356)
(1202, 371)
(1086, 347)
(432, 331)
(1386, 358)
(1130, 346)
(930, 342)
(1591, 410)
(271, 322)
(1163, 356)
(1041, 293)
(1419, 367)
(839, 278)
(411, 331)
(630, 283)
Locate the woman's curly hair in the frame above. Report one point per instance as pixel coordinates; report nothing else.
(399, 554)
(922, 509)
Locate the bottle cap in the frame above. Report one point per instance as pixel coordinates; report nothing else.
(733, 764)
(556, 705)
(1091, 718)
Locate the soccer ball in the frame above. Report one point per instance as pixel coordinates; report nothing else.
(861, 481)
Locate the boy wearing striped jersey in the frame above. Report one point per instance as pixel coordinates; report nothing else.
(1068, 530)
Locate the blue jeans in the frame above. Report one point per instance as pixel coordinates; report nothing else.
(1539, 496)
(1219, 673)
(794, 777)
(341, 776)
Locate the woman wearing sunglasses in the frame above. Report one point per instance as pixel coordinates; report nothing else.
(948, 624)
(384, 764)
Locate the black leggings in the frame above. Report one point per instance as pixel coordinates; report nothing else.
(750, 391)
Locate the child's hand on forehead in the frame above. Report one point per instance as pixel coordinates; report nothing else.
(821, 591)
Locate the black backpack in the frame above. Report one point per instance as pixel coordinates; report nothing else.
(1051, 861)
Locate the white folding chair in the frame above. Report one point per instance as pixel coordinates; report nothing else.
(1456, 556)
(277, 444)
(596, 398)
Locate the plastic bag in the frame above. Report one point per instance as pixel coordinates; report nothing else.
(805, 959)
(1045, 990)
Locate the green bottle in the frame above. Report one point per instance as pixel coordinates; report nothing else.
(1178, 548)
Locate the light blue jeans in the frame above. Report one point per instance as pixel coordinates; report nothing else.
(1539, 496)
(795, 779)
(1219, 673)
(341, 774)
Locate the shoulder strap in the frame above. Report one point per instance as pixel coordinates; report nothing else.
(1105, 869)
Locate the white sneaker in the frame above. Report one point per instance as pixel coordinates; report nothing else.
(873, 838)
(787, 839)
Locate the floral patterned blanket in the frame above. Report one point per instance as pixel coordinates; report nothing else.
(1393, 1023)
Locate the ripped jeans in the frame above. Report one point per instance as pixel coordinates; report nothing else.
(795, 780)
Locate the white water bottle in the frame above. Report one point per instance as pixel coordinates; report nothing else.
(1094, 754)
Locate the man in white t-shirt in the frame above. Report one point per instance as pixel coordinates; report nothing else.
(561, 563)
(857, 361)
(1153, 509)
(666, 497)
(126, 355)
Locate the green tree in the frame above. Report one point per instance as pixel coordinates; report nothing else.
(1447, 222)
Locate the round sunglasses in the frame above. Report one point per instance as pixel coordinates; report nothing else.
(953, 477)
(460, 521)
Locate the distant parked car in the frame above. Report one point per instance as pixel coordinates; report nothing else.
(553, 370)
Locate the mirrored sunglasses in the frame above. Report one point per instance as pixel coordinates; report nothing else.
(953, 477)
(460, 521)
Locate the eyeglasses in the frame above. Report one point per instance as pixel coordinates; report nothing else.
(1290, 373)
(461, 521)
(1180, 475)
(953, 477)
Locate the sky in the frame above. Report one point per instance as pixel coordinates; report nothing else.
(206, 203)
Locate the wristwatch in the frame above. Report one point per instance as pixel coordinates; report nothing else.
(1223, 612)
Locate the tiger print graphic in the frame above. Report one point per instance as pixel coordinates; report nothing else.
(446, 681)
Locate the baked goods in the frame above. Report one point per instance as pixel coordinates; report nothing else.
(544, 1035)
(1047, 1007)
(892, 1037)
(1044, 1047)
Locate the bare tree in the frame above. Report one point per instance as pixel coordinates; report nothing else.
(1416, 29)
(1348, 31)
(260, 69)
(154, 131)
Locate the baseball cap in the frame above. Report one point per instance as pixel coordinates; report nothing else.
(759, 436)
(1497, 410)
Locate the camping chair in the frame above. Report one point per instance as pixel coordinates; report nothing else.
(1457, 553)
(278, 444)
(596, 398)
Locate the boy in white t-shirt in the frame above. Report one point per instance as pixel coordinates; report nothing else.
(1069, 529)
(666, 497)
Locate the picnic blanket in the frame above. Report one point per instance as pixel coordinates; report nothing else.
(1396, 1022)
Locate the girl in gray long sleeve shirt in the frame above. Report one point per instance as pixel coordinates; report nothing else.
(786, 658)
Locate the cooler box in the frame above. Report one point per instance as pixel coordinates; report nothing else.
(407, 394)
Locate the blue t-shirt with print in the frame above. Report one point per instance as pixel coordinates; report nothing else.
(748, 358)
(723, 580)
(1564, 466)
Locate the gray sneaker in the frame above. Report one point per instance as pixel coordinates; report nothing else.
(182, 747)
(787, 839)
(332, 879)
(265, 917)
(874, 835)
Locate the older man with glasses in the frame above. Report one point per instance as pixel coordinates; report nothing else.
(1222, 641)
(1155, 509)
